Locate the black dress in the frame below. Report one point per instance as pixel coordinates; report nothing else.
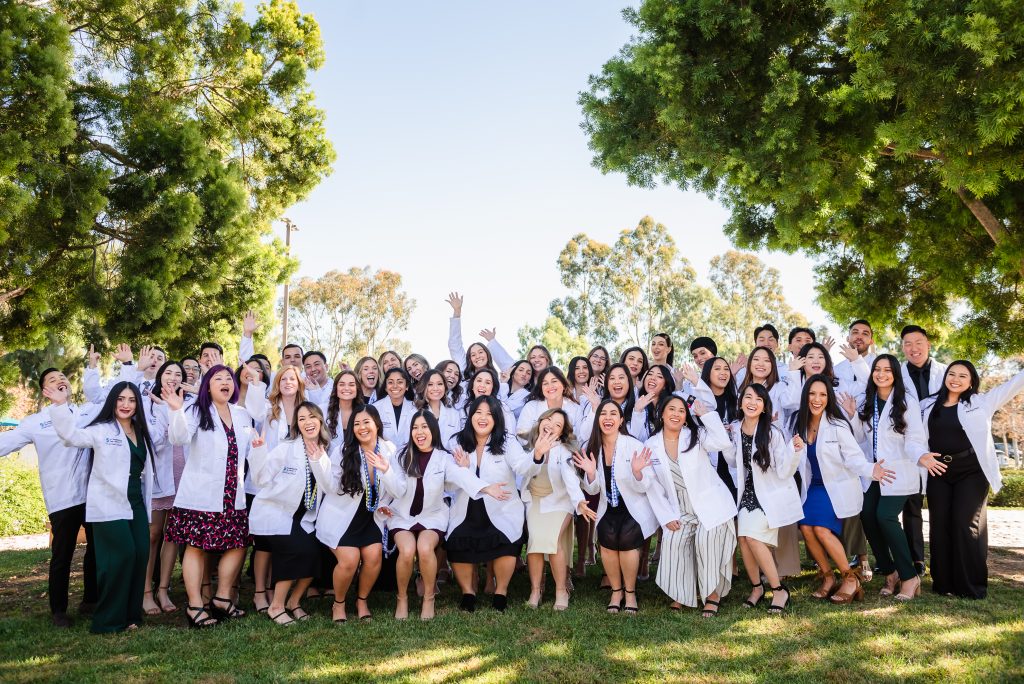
(362, 530)
(617, 530)
(476, 539)
(295, 555)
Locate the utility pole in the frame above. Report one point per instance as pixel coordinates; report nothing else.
(289, 228)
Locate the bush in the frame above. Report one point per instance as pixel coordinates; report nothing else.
(1012, 493)
(22, 510)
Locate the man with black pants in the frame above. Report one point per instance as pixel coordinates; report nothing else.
(922, 377)
(63, 474)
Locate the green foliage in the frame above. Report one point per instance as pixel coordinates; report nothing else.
(1012, 492)
(141, 170)
(22, 510)
(882, 139)
(562, 344)
(623, 294)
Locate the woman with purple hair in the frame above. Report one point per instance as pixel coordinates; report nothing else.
(209, 507)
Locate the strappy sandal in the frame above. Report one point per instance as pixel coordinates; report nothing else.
(889, 588)
(368, 616)
(265, 608)
(338, 621)
(273, 618)
(821, 592)
(753, 604)
(615, 608)
(629, 610)
(163, 608)
(844, 597)
(197, 621)
(778, 610)
(231, 612)
(707, 612)
(296, 616)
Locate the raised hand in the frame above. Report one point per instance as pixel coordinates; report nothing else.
(93, 356)
(145, 357)
(377, 462)
(173, 401)
(689, 371)
(543, 445)
(455, 301)
(739, 363)
(590, 391)
(641, 403)
(489, 335)
(932, 464)
(849, 352)
(586, 463)
(699, 408)
(586, 512)
(191, 389)
(883, 474)
(123, 353)
(796, 363)
(641, 459)
(57, 395)
(798, 443)
(848, 403)
(249, 323)
(828, 343)
(461, 457)
(497, 491)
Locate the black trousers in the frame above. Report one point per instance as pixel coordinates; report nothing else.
(913, 526)
(65, 525)
(958, 524)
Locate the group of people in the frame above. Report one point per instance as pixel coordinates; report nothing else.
(462, 464)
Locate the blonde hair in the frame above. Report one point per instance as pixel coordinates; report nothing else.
(275, 394)
(567, 438)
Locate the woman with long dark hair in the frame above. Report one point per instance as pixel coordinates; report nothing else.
(552, 390)
(888, 427)
(396, 408)
(599, 359)
(655, 385)
(516, 392)
(635, 361)
(452, 374)
(117, 499)
(662, 351)
(832, 472)
(418, 519)
(963, 466)
(351, 522)
(346, 397)
(433, 393)
(485, 530)
(485, 383)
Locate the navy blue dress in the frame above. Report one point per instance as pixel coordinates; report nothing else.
(818, 511)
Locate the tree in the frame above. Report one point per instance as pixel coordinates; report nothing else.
(583, 268)
(350, 313)
(145, 148)
(885, 140)
(554, 335)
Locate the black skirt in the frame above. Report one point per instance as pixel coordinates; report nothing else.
(617, 530)
(477, 540)
(362, 530)
(295, 555)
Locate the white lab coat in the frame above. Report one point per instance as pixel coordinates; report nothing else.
(502, 360)
(514, 401)
(337, 509)
(449, 422)
(936, 374)
(976, 419)
(395, 431)
(107, 493)
(775, 488)
(508, 516)
(854, 373)
(900, 452)
(645, 499)
(567, 487)
(280, 476)
(712, 501)
(441, 474)
(842, 466)
(579, 419)
(159, 416)
(63, 469)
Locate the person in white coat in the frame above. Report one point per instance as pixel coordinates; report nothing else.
(63, 476)
(209, 513)
(959, 426)
(350, 521)
(768, 497)
(832, 470)
(516, 392)
(626, 517)
(451, 371)
(317, 378)
(552, 495)
(283, 513)
(117, 500)
(486, 530)
(922, 376)
(345, 398)
(599, 359)
(492, 355)
(396, 408)
(696, 559)
(552, 390)
(368, 373)
(419, 518)
(861, 339)
(485, 383)
(434, 397)
(888, 426)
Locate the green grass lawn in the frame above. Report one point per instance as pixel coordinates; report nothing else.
(930, 639)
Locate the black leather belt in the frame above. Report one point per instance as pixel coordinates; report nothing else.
(948, 458)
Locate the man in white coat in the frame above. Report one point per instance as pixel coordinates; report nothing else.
(860, 338)
(922, 377)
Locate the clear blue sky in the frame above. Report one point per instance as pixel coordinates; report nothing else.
(462, 165)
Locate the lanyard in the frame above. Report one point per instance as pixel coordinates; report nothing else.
(874, 429)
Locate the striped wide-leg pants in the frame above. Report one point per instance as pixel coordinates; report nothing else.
(695, 561)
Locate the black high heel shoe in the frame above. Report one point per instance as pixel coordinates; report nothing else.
(615, 608)
(338, 621)
(232, 611)
(753, 604)
(778, 610)
(368, 616)
(629, 610)
(198, 621)
(468, 603)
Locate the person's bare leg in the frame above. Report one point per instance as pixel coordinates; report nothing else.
(344, 571)
(535, 566)
(372, 559)
(405, 542)
(293, 600)
(629, 563)
(156, 534)
(168, 559)
(612, 570)
(427, 543)
(753, 569)
(193, 567)
(277, 611)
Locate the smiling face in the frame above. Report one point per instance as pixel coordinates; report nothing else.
(415, 368)
(364, 429)
(817, 398)
(538, 359)
(883, 374)
(659, 350)
(308, 423)
(815, 362)
(210, 357)
(191, 371)
(551, 387)
(171, 377)
(674, 415)
(396, 388)
(760, 365)
(701, 356)
(477, 355)
(598, 361)
(125, 408)
(751, 403)
(420, 434)
(860, 338)
(388, 361)
(156, 359)
(56, 380)
(798, 342)
(222, 386)
(552, 426)
(291, 356)
(451, 374)
(483, 385)
(580, 374)
(482, 420)
(634, 362)
(617, 384)
(958, 379)
(435, 389)
(316, 369)
(654, 381)
(720, 374)
(766, 339)
(369, 374)
(609, 419)
(347, 388)
(288, 380)
(916, 347)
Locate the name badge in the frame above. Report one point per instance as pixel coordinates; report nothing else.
(113, 441)
(289, 470)
(972, 409)
(45, 424)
